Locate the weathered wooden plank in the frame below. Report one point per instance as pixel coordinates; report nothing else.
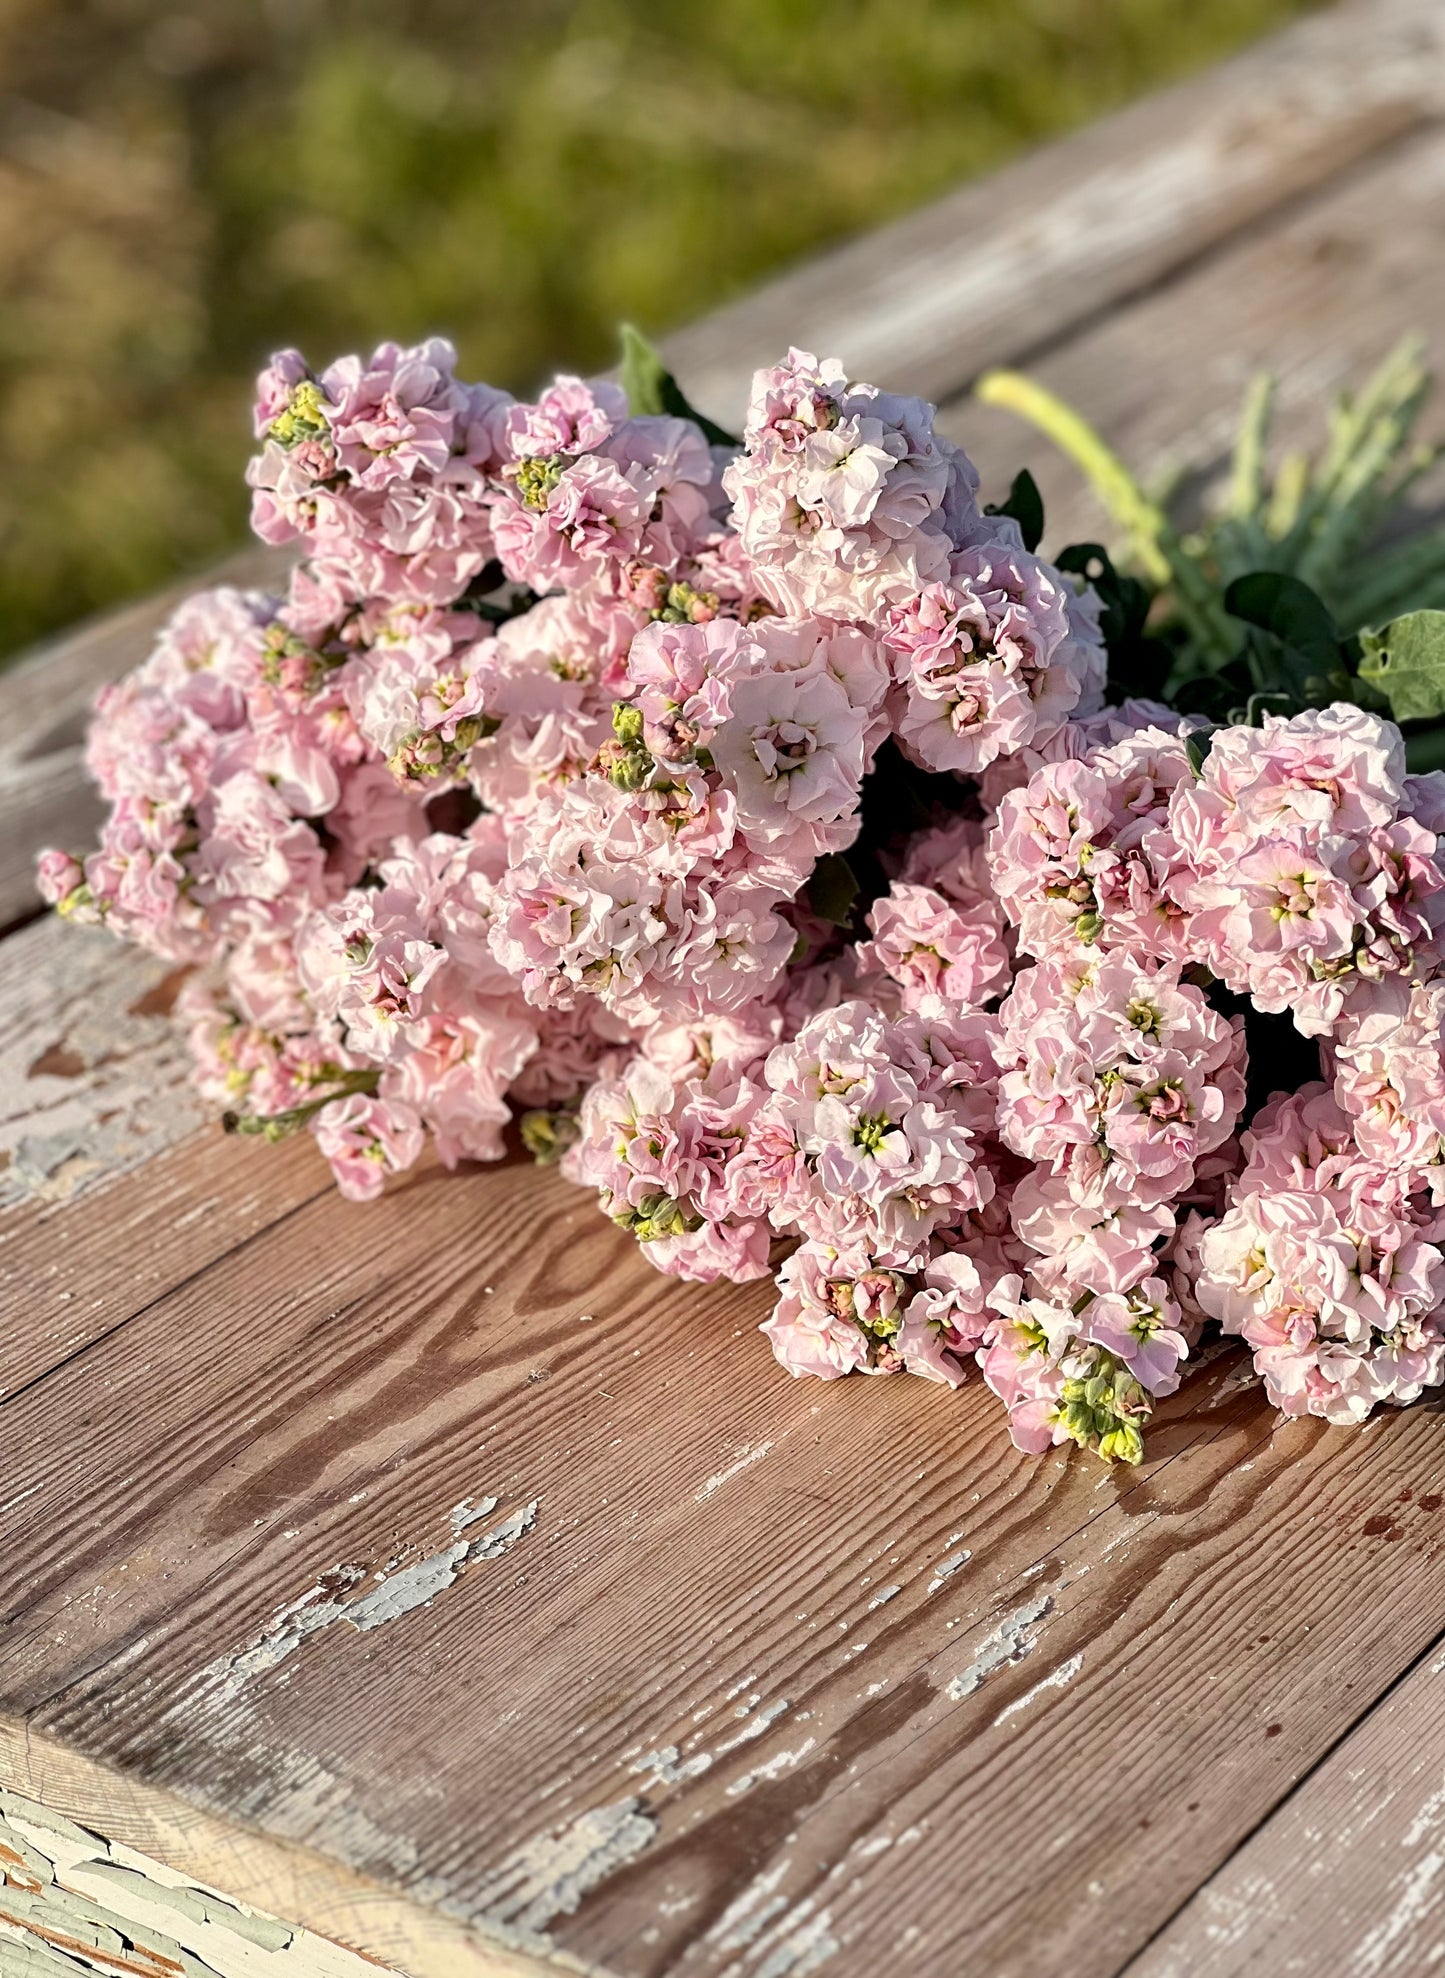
(93, 1070)
(343, 1392)
(69, 1279)
(678, 1718)
(1317, 298)
(94, 1103)
(45, 701)
(97, 1905)
(1012, 264)
(1345, 1880)
(181, 1842)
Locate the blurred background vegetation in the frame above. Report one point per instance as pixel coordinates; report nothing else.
(182, 191)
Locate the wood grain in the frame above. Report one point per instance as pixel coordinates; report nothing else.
(991, 274)
(1317, 298)
(182, 1841)
(45, 700)
(94, 1098)
(684, 1696)
(1021, 260)
(1345, 1881)
(93, 1070)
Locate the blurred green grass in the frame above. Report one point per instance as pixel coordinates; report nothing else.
(180, 192)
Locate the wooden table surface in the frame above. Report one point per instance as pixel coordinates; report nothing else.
(437, 1576)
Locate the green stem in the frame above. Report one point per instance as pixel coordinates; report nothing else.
(1105, 472)
(1161, 556)
(277, 1126)
(1246, 487)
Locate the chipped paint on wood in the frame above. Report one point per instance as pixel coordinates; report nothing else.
(395, 1593)
(946, 1568)
(1065, 1673)
(548, 1876)
(755, 1726)
(1009, 1641)
(771, 1768)
(667, 1767)
(794, 1941)
(749, 1456)
(71, 1900)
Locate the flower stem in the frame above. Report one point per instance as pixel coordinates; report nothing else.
(1158, 551)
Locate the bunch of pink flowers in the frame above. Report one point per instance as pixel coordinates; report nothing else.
(750, 821)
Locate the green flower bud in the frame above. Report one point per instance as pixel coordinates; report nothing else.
(548, 1131)
(657, 1216)
(536, 479)
(304, 417)
(1103, 1407)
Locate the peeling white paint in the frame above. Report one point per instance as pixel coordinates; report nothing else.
(770, 1768)
(1414, 1895)
(667, 1767)
(946, 1568)
(1065, 1673)
(324, 1604)
(745, 1918)
(66, 1881)
(883, 1596)
(802, 1942)
(470, 1513)
(548, 1876)
(749, 1456)
(1010, 1640)
(755, 1727)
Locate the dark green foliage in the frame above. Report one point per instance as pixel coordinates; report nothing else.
(1026, 505)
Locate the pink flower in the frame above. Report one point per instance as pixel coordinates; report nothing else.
(366, 1139)
(936, 953)
(837, 1313)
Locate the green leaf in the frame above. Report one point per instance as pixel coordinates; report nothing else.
(1138, 663)
(1406, 661)
(1197, 747)
(1026, 505)
(653, 390)
(1293, 649)
(1289, 610)
(833, 889)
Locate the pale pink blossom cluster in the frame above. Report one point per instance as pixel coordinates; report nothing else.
(748, 827)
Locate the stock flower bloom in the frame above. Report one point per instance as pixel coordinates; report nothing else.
(985, 661)
(1081, 855)
(1120, 1078)
(844, 497)
(548, 787)
(1307, 880)
(861, 1141)
(366, 1139)
(936, 952)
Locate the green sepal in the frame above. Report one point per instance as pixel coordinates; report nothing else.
(652, 389)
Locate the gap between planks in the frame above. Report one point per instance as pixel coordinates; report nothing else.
(1368, 1817)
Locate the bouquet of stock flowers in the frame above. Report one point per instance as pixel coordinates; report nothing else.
(1030, 962)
